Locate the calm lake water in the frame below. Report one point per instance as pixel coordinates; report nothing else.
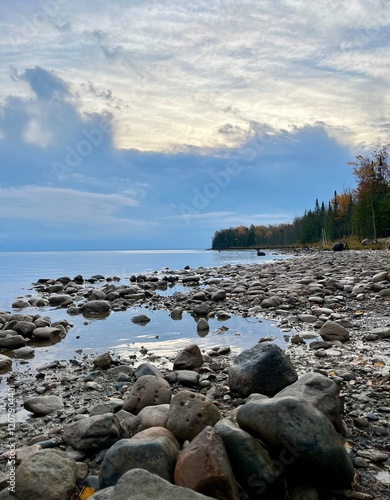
(162, 335)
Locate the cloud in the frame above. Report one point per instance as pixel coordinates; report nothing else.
(47, 204)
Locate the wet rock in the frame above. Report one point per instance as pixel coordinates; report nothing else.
(60, 300)
(331, 331)
(294, 427)
(25, 328)
(140, 319)
(12, 341)
(91, 433)
(46, 474)
(20, 304)
(262, 369)
(148, 390)
(213, 474)
(157, 455)
(24, 352)
(5, 363)
(202, 325)
(188, 359)
(95, 308)
(255, 470)
(177, 313)
(43, 405)
(139, 484)
(189, 414)
(46, 332)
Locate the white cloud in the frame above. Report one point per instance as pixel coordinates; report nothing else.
(181, 71)
(60, 205)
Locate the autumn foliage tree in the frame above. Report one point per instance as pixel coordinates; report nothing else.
(363, 212)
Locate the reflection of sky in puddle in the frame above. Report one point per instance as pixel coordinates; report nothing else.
(162, 336)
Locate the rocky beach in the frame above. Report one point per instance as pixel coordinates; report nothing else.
(310, 421)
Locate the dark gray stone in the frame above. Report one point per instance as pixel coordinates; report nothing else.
(262, 369)
(295, 431)
(157, 455)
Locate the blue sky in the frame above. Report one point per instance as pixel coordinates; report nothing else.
(152, 124)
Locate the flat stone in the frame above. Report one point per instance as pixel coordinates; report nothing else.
(43, 405)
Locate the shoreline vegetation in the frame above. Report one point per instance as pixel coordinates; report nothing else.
(91, 411)
(356, 215)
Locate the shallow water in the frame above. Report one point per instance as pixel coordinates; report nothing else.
(162, 336)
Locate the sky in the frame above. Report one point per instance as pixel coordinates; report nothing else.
(143, 124)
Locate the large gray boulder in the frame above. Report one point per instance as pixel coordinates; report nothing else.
(46, 474)
(156, 455)
(140, 484)
(255, 470)
(263, 369)
(321, 392)
(91, 433)
(302, 437)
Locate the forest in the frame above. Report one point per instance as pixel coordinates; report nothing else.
(360, 213)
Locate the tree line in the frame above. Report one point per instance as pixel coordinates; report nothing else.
(363, 212)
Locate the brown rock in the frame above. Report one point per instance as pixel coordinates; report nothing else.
(332, 331)
(149, 390)
(212, 474)
(189, 414)
(188, 359)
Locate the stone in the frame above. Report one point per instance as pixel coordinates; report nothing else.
(129, 423)
(46, 474)
(12, 341)
(157, 455)
(177, 313)
(185, 377)
(140, 484)
(148, 390)
(24, 352)
(46, 332)
(262, 369)
(189, 414)
(202, 325)
(96, 308)
(212, 474)
(321, 392)
(20, 304)
(25, 328)
(331, 331)
(43, 405)
(103, 361)
(153, 432)
(153, 416)
(140, 319)
(188, 359)
(97, 432)
(255, 470)
(60, 300)
(300, 433)
(218, 296)
(5, 363)
(147, 369)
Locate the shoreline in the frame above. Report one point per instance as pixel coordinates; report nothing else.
(301, 294)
